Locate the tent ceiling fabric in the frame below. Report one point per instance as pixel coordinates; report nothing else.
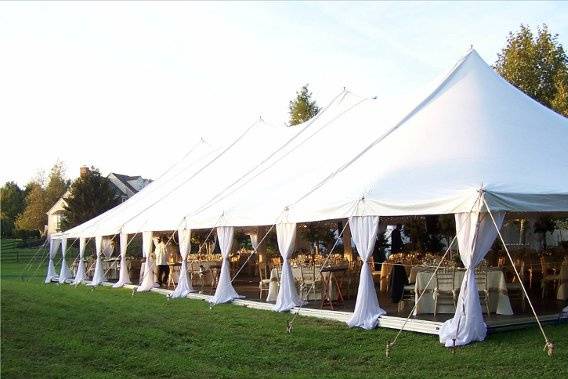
(428, 153)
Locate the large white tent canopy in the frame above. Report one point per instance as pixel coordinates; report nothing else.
(208, 173)
(431, 155)
(471, 145)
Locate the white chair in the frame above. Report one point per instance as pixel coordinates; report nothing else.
(482, 287)
(310, 282)
(264, 283)
(445, 292)
(515, 289)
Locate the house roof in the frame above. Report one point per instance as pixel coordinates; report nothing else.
(58, 203)
(132, 183)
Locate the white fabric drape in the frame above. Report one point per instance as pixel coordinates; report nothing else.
(65, 273)
(148, 278)
(81, 274)
(288, 297)
(475, 234)
(99, 275)
(53, 246)
(367, 310)
(184, 286)
(124, 276)
(225, 291)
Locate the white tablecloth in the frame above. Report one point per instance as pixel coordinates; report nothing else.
(498, 299)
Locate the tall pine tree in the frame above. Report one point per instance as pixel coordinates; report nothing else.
(302, 108)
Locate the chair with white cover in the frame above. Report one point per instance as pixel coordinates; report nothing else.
(550, 277)
(482, 287)
(310, 282)
(264, 283)
(445, 292)
(515, 289)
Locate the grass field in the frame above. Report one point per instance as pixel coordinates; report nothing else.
(57, 331)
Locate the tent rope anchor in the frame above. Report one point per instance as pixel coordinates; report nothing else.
(390, 345)
(549, 348)
(289, 326)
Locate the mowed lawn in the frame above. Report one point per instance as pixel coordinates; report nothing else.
(62, 331)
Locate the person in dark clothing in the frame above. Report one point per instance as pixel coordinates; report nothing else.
(397, 282)
(396, 240)
(379, 252)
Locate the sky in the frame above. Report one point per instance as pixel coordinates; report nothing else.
(130, 87)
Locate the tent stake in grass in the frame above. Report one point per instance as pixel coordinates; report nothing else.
(387, 351)
(289, 326)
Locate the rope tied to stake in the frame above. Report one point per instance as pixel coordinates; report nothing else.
(549, 347)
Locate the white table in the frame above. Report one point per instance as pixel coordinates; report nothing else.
(498, 299)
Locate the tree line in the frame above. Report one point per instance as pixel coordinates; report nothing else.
(24, 211)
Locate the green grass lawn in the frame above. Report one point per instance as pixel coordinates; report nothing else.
(56, 331)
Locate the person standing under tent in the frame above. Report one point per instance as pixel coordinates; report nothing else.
(396, 240)
(162, 262)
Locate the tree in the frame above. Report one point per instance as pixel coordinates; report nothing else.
(57, 185)
(89, 196)
(12, 200)
(302, 108)
(33, 217)
(537, 65)
(40, 198)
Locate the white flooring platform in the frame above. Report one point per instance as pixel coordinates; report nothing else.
(390, 322)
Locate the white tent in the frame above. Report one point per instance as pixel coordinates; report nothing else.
(471, 144)
(474, 131)
(253, 157)
(205, 173)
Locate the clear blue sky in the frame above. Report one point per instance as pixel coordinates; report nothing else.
(128, 87)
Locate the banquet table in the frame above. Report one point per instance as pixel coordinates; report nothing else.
(210, 271)
(498, 299)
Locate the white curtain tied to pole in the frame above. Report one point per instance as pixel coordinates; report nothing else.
(99, 275)
(184, 286)
(367, 310)
(148, 277)
(81, 274)
(123, 276)
(65, 273)
(475, 234)
(53, 246)
(225, 291)
(288, 297)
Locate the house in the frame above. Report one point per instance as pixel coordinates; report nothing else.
(125, 187)
(54, 215)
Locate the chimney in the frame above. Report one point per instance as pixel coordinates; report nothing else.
(84, 171)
